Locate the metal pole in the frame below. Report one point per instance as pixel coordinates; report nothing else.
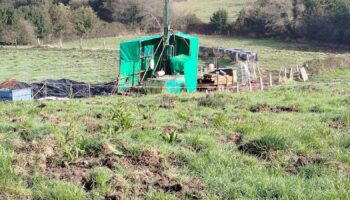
(166, 21)
(45, 89)
(89, 90)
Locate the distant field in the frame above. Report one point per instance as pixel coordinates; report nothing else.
(111, 43)
(273, 54)
(340, 75)
(94, 64)
(41, 64)
(205, 8)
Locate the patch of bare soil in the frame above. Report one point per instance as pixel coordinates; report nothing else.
(235, 138)
(242, 107)
(343, 170)
(31, 154)
(91, 123)
(147, 170)
(337, 123)
(17, 119)
(42, 105)
(302, 160)
(168, 102)
(310, 88)
(276, 109)
(50, 119)
(151, 174)
(150, 158)
(340, 91)
(176, 161)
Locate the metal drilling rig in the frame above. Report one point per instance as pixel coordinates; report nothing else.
(167, 61)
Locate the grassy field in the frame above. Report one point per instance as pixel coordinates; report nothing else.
(28, 64)
(273, 54)
(291, 142)
(110, 43)
(41, 64)
(204, 9)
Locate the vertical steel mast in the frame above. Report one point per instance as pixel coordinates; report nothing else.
(166, 22)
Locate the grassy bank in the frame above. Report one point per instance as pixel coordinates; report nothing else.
(291, 142)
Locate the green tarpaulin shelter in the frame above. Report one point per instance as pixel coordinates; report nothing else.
(179, 61)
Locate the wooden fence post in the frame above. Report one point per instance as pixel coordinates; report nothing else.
(250, 85)
(81, 43)
(61, 45)
(280, 76)
(271, 81)
(261, 84)
(285, 73)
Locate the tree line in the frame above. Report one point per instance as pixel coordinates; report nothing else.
(319, 20)
(22, 21)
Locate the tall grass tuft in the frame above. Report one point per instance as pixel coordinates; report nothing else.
(263, 146)
(58, 190)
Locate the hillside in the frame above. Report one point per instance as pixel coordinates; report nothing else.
(205, 8)
(291, 142)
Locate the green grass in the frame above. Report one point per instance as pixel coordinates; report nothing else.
(110, 43)
(273, 54)
(120, 151)
(41, 64)
(338, 75)
(204, 9)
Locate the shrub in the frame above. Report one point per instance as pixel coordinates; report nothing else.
(60, 16)
(85, 19)
(120, 118)
(219, 20)
(37, 17)
(26, 32)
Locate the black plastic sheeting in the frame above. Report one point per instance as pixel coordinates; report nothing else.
(241, 54)
(65, 88)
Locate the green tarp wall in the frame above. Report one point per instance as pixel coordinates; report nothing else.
(136, 54)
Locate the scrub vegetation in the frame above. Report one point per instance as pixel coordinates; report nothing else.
(291, 142)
